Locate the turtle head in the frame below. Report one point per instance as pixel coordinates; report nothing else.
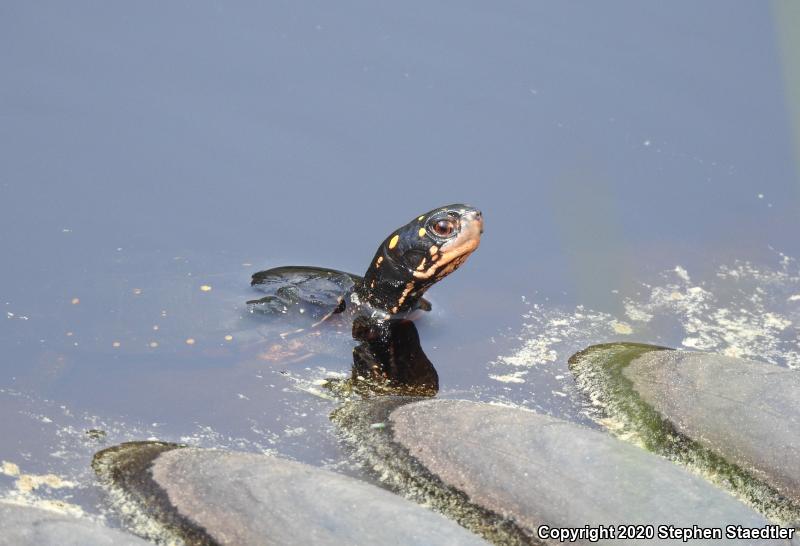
(419, 254)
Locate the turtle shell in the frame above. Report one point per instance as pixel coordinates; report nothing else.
(313, 292)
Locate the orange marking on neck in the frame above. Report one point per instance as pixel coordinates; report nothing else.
(409, 287)
(450, 261)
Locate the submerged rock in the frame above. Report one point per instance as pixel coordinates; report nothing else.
(735, 420)
(28, 526)
(504, 472)
(220, 497)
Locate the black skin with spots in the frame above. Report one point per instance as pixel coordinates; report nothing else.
(397, 276)
(390, 283)
(410, 260)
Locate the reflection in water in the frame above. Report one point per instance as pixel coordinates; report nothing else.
(390, 358)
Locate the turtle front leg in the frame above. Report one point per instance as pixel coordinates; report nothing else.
(269, 305)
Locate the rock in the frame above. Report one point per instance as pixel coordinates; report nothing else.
(28, 526)
(504, 472)
(748, 412)
(221, 497)
(736, 420)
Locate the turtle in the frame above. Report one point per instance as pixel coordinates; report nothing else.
(407, 263)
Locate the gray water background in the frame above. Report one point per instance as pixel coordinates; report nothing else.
(151, 148)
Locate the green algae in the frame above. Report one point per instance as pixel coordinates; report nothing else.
(124, 470)
(599, 373)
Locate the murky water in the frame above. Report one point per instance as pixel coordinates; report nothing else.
(635, 167)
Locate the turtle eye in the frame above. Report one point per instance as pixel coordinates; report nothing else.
(444, 227)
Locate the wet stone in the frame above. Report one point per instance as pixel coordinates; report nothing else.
(220, 497)
(748, 412)
(503, 471)
(28, 526)
(736, 421)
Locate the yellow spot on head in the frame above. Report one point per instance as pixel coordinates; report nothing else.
(420, 218)
(75, 301)
(229, 338)
(422, 232)
(205, 288)
(190, 341)
(433, 250)
(393, 242)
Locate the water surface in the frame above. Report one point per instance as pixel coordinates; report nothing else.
(621, 154)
